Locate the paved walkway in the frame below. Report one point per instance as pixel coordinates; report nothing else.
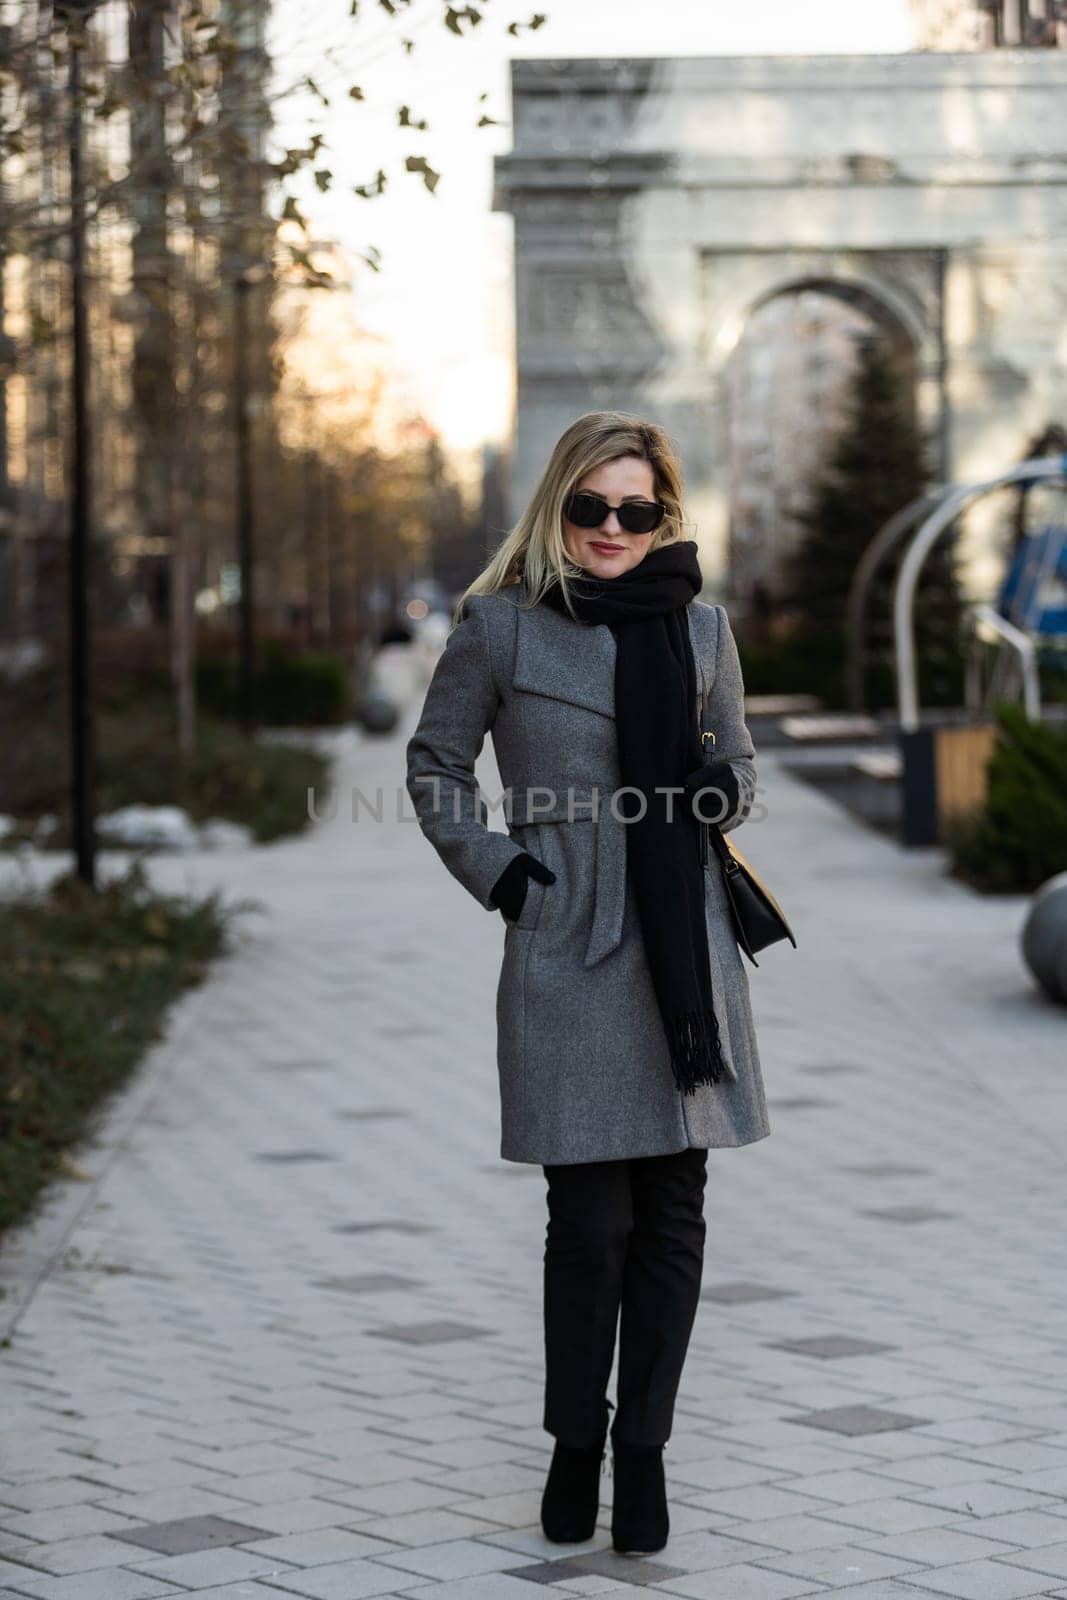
(287, 1341)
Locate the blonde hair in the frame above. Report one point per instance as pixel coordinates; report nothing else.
(534, 548)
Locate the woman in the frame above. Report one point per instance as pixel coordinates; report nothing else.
(625, 1044)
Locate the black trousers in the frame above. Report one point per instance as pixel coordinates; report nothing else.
(624, 1247)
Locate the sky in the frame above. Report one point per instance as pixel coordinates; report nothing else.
(440, 309)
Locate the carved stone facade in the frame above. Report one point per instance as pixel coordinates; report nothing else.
(989, 24)
(657, 204)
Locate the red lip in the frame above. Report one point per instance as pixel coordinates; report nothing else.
(597, 545)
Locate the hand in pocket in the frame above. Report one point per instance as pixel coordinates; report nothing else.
(508, 893)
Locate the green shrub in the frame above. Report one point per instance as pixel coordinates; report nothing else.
(305, 688)
(1019, 838)
(810, 659)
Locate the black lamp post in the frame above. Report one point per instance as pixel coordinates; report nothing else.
(76, 14)
(245, 501)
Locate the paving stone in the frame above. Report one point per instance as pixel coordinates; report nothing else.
(385, 1226)
(720, 1472)
(797, 1102)
(887, 1169)
(981, 1499)
(74, 1555)
(910, 1214)
(1046, 1558)
(1021, 1455)
(169, 1505)
(295, 1066)
(831, 1346)
(434, 1526)
(373, 1114)
(320, 1546)
(203, 1568)
(495, 1586)
(48, 1493)
(439, 1332)
(888, 1516)
(253, 1590)
(346, 1580)
(937, 1547)
(455, 1558)
(641, 1571)
(186, 1534)
(398, 1498)
(700, 1551)
(265, 1488)
(1051, 1481)
(298, 1516)
(112, 1584)
(293, 1155)
(735, 1294)
(744, 1583)
(63, 1522)
(828, 1069)
(855, 1420)
(366, 1282)
(841, 1564)
(1028, 1529)
(758, 1502)
(888, 1589)
(556, 1572)
(984, 1580)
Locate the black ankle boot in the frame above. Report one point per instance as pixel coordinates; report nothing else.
(571, 1501)
(639, 1519)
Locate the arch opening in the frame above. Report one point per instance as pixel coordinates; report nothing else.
(788, 391)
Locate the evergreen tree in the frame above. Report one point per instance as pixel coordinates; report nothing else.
(878, 464)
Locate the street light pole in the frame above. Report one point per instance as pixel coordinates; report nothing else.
(81, 709)
(245, 504)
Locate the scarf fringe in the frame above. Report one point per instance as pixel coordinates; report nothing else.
(696, 1050)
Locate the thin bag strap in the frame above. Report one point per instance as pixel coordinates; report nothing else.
(706, 733)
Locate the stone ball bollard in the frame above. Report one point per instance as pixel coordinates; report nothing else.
(377, 712)
(1044, 938)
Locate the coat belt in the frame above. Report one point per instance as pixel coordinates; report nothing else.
(587, 808)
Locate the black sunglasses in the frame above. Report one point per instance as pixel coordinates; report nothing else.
(587, 510)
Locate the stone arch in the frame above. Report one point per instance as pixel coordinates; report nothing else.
(903, 315)
(930, 185)
(772, 428)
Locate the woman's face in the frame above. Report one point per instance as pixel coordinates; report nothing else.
(609, 550)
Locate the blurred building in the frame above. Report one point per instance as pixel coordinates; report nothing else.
(990, 24)
(164, 248)
(660, 205)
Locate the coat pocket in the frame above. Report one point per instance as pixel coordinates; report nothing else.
(530, 914)
(587, 854)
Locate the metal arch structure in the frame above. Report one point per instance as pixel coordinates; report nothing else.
(1046, 469)
(986, 617)
(881, 546)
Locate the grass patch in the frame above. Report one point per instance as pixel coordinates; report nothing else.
(85, 982)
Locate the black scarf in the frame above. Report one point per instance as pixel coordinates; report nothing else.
(658, 746)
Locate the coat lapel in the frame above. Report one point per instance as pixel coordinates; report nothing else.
(575, 662)
(571, 661)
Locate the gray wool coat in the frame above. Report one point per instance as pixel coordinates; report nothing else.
(583, 1066)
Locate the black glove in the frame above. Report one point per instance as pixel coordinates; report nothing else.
(720, 779)
(508, 893)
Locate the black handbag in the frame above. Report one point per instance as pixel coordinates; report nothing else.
(757, 917)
